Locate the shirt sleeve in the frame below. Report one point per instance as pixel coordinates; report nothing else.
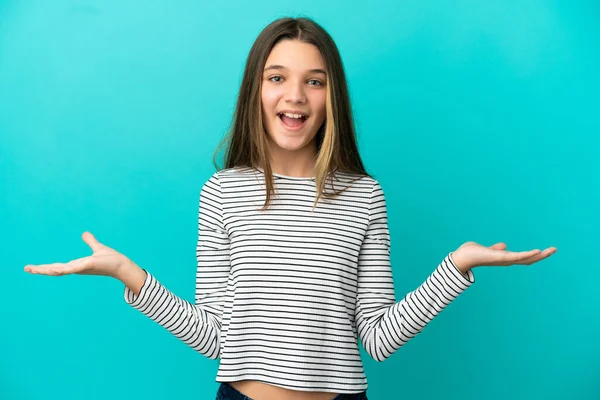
(199, 324)
(383, 324)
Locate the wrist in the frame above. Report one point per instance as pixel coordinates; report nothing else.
(132, 276)
(124, 269)
(462, 265)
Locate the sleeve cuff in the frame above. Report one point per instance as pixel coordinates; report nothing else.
(144, 296)
(468, 278)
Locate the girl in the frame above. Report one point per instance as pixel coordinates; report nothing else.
(293, 242)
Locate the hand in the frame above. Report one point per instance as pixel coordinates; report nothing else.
(471, 255)
(104, 261)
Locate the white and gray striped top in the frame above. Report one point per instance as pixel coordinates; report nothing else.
(283, 295)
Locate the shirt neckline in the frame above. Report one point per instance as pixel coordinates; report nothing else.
(305, 178)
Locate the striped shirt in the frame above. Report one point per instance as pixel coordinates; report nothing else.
(284, 295)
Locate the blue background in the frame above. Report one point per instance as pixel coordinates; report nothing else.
(480, 120)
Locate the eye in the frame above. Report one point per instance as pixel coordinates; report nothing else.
(274, 77)
(317, 82)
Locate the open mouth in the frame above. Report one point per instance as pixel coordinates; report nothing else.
(292, 121)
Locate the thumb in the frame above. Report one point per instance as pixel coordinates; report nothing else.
(498, 246)
(91, 241)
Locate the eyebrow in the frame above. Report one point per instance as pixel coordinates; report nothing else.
(280, 67)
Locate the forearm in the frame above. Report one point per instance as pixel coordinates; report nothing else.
(132, 276)
(385, 325)
(191, 323)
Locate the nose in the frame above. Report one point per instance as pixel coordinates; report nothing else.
(295, 92)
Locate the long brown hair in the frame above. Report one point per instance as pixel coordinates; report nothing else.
(246, 141)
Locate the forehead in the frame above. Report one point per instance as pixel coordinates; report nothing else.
(296, 56)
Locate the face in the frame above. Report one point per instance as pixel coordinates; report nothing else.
(293, 96)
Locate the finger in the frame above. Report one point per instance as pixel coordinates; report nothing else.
(530, 260)
(79, 266)
(33, 268)
(56, 269)
(516, 257)
(542, 255)
(91, 240)
(44, 269)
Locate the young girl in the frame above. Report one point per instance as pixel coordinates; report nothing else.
(293, 242)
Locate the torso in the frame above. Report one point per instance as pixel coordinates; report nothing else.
(285, 303)
(263, 391)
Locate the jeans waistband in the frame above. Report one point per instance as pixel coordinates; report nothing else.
(228, 392)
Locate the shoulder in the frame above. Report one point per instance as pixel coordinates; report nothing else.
(229, 173)
(228, 179)
(366, 184)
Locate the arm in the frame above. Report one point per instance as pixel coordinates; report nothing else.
(384, 325)
(199, 324)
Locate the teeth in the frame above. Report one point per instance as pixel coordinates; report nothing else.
(293, 115)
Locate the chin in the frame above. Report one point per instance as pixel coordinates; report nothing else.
(290, 143)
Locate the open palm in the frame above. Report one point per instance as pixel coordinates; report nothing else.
(104, 261)
(471, 254)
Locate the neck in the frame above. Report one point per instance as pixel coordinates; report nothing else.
(300, 163)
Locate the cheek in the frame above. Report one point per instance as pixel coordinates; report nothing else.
(320, 103)
(269, 99)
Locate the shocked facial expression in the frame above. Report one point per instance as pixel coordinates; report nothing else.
(293, 95)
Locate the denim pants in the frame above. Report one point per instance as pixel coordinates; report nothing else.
(228, 392)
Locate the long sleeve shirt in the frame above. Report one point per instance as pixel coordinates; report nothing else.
(284, 295)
